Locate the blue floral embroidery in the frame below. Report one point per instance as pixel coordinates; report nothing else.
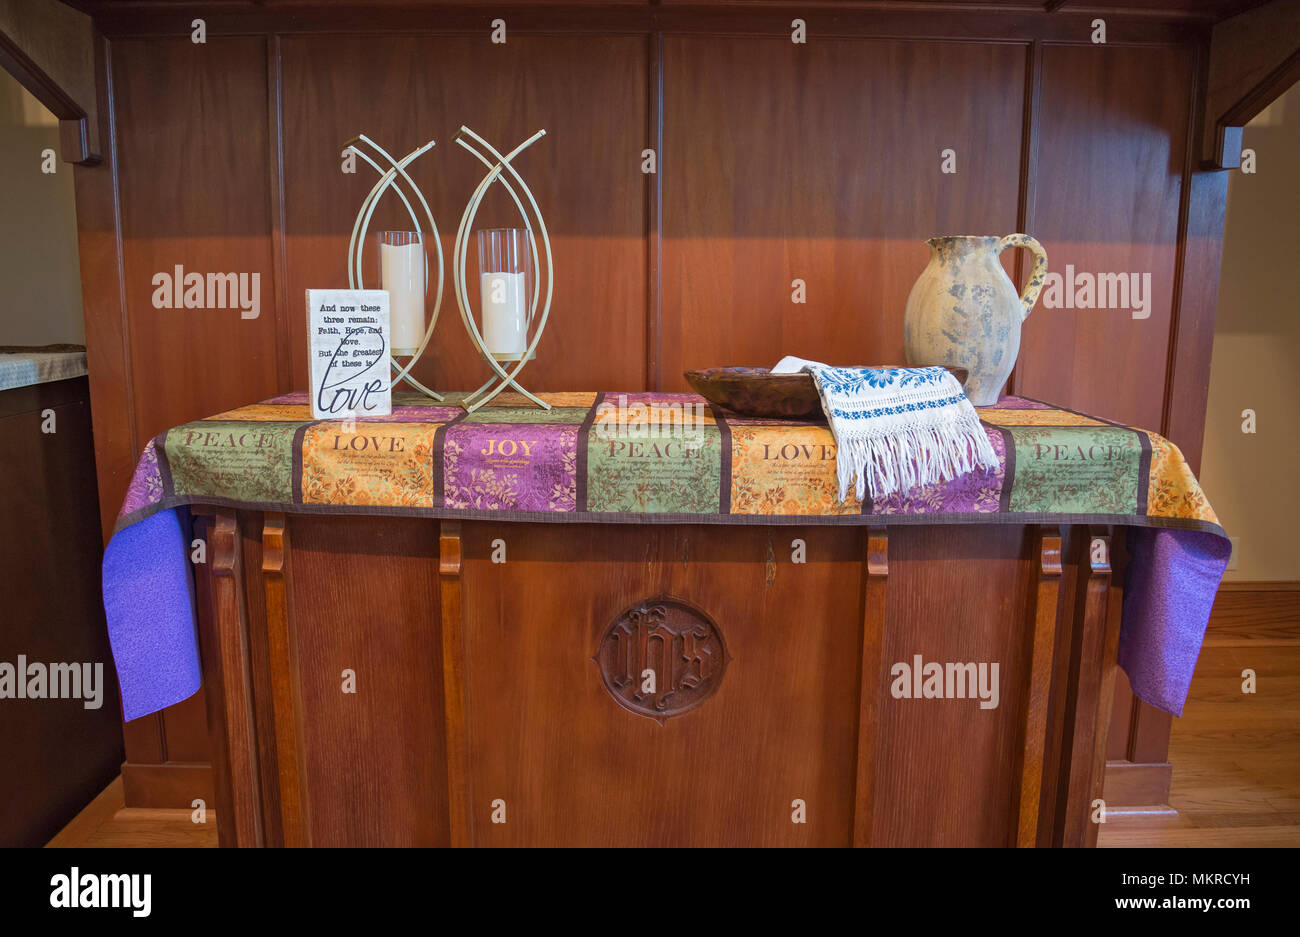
(901, 408)
(851, 380)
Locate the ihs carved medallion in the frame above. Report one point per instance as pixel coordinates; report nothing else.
(661, 658)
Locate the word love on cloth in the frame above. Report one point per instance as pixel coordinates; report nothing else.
(360, 443)
(791, 452)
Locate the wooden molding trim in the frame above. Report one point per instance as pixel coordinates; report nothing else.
(172, 785)
(146, 19)
(104, 309)
(1255, 613)
(1087, 666)
(871, 682)
(1045, 612)
(453, 682)
(1254, 58)
(50, 49)
(1112, 567)
(1131, 785)
(227, 680)
(286, 688)
(1084, 650)
(1262, 585)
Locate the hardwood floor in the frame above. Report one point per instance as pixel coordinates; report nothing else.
(1236, 764)
(107, 822)
(1236, 756)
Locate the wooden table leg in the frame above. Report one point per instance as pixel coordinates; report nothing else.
(286, 689)
(227, 676)
(1040, 674)
(1090, 691)
(1117, 554)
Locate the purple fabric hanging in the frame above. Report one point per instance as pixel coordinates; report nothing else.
(149, 604)
(1173, 576)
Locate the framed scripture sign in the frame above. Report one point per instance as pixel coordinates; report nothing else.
(347, 343)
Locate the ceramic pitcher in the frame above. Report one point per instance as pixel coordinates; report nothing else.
(963, 310)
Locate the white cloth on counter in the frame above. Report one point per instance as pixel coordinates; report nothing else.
(22, 369)
(896, 427)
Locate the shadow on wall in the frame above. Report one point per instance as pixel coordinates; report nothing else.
(1247, 470)
(38, 239)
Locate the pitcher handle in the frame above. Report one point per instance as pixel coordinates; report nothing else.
(1036, 277)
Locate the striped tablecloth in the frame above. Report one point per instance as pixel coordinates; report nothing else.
(651, 458)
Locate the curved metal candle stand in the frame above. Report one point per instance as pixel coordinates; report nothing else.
(496, 165)
(361, 226)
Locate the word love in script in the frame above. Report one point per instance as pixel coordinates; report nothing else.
(348, 347)
(339, 392)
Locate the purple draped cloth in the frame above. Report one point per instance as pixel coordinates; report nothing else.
(1172, 579)
(149, 604)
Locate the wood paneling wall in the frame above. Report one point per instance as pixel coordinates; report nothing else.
(60, 753)
(588, 92)
(777, 162)
(822, 163)
(193, 165)
(1112, 138)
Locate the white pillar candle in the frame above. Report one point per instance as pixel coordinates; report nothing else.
(402, 275)
(505, 313)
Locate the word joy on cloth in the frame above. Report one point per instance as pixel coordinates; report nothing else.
(508, 447)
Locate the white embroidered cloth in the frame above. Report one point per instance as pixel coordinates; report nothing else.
(897, 427)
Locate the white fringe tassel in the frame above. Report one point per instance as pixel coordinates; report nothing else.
(914, 456)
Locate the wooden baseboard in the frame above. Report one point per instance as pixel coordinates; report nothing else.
(1255, 613)
(174, 785)
(1131, 786)
(1259, 585)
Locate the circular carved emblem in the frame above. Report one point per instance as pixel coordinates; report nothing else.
(661, 658)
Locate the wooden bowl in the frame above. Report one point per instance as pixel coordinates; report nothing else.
(757, 392)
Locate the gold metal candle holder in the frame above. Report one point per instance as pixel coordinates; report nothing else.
(387, 179)
(500, 170)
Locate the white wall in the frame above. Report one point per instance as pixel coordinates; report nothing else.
(40, 278)
(1253, 481)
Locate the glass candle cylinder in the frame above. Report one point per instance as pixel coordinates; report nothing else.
(401, 273)
(504, 263)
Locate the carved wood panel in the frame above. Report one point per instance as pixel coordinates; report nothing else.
(661, 658)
